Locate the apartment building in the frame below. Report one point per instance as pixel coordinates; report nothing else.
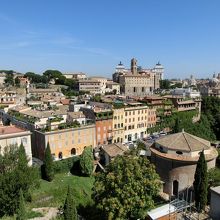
(92, 86)
(136, 121)
(152, 117)
(64, 142)
(118, 125)
(7, 97)
(102, 115)
(12, 135)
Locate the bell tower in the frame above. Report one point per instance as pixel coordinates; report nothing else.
(134, 66)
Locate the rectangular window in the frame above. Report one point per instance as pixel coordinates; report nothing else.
(24, 140)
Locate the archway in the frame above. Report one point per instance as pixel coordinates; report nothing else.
(73, 151)
(60, 155)
(175, 187)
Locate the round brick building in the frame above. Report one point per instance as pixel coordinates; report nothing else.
(175, 157)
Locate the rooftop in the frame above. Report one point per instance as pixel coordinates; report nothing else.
(76, 115)
(114, 149)
(10, 130)
(184, 141)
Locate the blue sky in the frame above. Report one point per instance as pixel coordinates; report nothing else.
(92, 36)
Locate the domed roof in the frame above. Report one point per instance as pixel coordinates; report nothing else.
(183, 141)
(158, 66)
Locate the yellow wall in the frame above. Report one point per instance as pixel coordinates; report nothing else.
(65, 140)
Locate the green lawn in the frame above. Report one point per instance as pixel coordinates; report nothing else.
(54, 193)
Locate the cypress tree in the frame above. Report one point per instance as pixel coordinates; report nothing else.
(23, 172)
(21, 212)
(86, 161)
(201, 183)
(69, 209)
(48, 164)
(177, 127)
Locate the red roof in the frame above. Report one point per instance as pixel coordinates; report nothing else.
(10, 130)
(65, 101)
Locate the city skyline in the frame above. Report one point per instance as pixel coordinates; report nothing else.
(93, 37)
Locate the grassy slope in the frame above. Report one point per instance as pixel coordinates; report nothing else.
(54, 193)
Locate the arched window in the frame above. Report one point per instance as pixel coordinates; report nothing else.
(60, 155)
(73, 151)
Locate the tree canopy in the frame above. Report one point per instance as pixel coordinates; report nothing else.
(15, 176)
(164, 84)
(127, 189)
(86, 161)
(211, 109)
(9, 78)
(36, 78)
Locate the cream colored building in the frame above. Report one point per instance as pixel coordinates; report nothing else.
(140, 84)
(103, 82)
(118, 125)
(92, 86)
(137, 81)
(11, 135)
(136, 122)
(113, 86)
(64, 142)
(76, 76)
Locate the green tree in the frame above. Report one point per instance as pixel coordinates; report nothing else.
(69, 209)
(164, 84)
(17, 82)
(87, 161)
(56, 75)
(48, 164)
(9, 78)
(201, 183)
(127, 188)
(21, 212)
(15, 175)
(177, 127)
(36, 78)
